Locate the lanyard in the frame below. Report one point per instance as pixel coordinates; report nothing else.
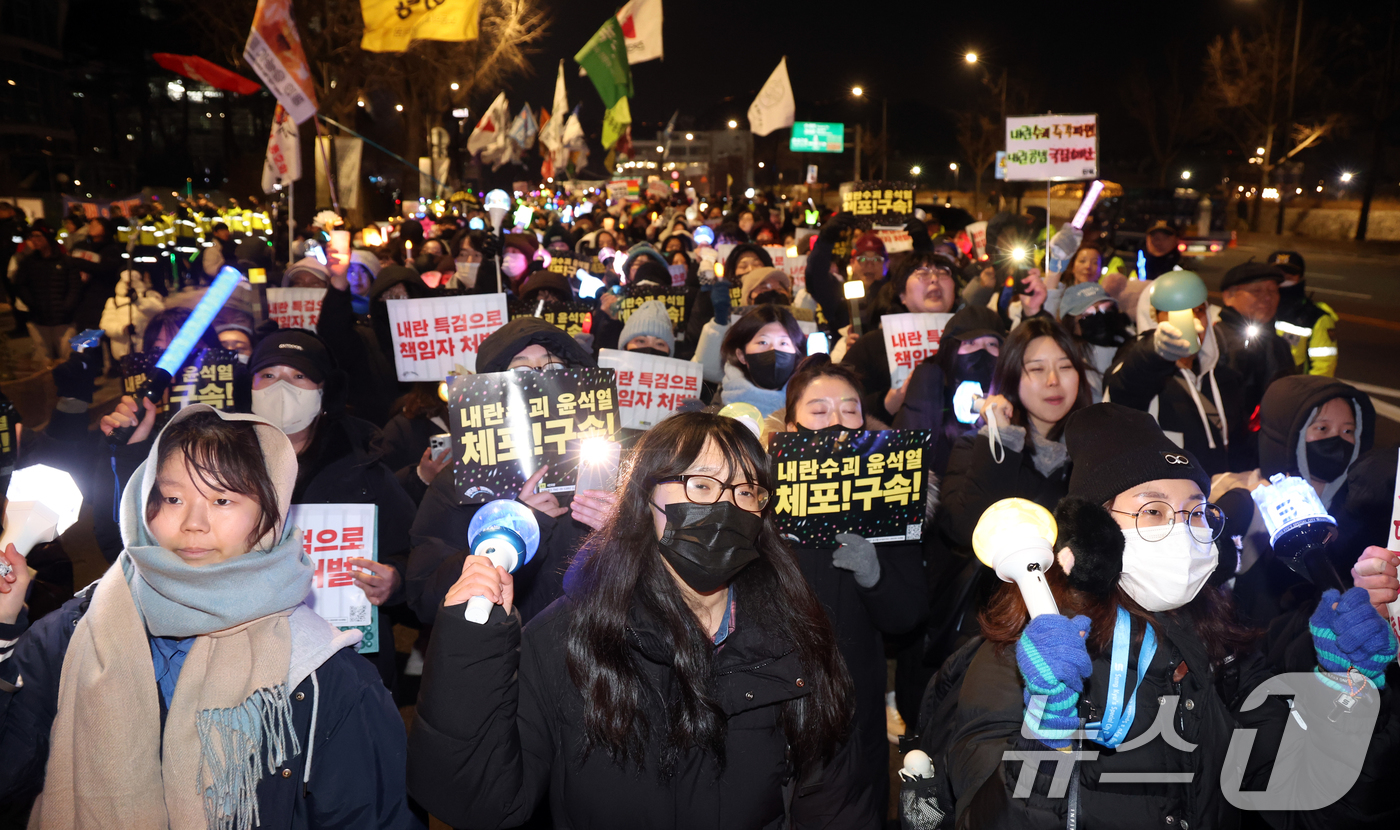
(1117, 719)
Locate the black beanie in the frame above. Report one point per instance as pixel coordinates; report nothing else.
(1114, 448)
(297, 348)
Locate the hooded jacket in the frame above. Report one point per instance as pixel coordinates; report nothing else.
(1255, 352)
(1287, 409)
(124, 310)
(497, 351)
(704, 308)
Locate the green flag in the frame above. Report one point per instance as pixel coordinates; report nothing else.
(604, 58)
(615, 121)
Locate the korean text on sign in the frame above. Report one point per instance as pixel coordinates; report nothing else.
(295, 308)
(331, 536)
(1052, 147)
(909, 339)
(880, 203)
(649, 388)
(432, 336)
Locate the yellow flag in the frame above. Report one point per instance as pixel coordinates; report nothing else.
(390, 25)
(615, 120)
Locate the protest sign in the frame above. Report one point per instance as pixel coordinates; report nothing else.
(871, 483)
(572, 317)
(878, 203)
(433, 335)
(206, 377)
(274, 52)
(978, 232)
(897, 240)
(909, 338)
(658, 189)
(331, 535)
(565, 264)
(1052, 148)
(295, 308)
(621, 190)
(678, 274)
(634, 295)
(649, 387)
(506, 425)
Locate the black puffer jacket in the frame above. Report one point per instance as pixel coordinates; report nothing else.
(364, 352)
(500, 724)
(102, 262)
(50, 286)
(703, 311)
(1260, 356)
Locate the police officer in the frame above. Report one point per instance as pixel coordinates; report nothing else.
(1305, 324)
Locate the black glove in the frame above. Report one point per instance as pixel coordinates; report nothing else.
(73, 377)
(837, 225)
(918, 233)
(490, 246)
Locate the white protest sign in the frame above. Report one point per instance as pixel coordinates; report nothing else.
(1392, 542)
(1055, 148)
(295, 308)
(978, 232)
(435, 334)
(659, 189)
(650, 388)
(332, 534)
(897, 240)
(909, 338)
(796, 267)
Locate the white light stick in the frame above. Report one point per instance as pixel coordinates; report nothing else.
(505, 532)
(497, 206)
(43, 502)
(1015, 537)
(1090, 197)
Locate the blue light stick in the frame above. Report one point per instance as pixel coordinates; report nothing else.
(184, 342)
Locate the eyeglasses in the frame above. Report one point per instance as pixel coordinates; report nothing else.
(553, 364)
(929, 274)
(1157, 518)
(870, 258)
(706, 490)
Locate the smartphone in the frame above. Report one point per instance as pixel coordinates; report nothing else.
(85, 340)
(598, 465)
(441, 445)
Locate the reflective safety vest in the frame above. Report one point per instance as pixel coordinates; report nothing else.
(1314, 346)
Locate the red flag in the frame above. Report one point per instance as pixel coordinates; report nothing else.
(198, 69)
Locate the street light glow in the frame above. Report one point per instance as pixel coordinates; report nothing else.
(970, 57)
(1346, 177)
(455, 86)
(398, 108)
(1259, 151)
(690, 136)
(953, 166)
(1186, 175)
(857, 91)
(760, 165)
(915, 170)
(733, 123)
(660, 149)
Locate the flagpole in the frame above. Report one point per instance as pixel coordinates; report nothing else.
(326, 162)
(291, 221)
(380, 148)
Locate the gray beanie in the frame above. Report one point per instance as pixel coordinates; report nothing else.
(649, 319)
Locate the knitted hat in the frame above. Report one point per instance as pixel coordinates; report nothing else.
(650, 319)
(1078, 298)
(750, 281)
(371, 263)
(1114, 448)
(297, 348)
(649, 270)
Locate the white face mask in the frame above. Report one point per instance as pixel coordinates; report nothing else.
(1164, 575)
(289, 408)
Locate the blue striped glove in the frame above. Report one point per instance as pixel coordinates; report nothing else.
(1352, 635)
(1053, 655)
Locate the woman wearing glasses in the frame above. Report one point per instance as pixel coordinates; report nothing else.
(688, 677)
(1145, 651)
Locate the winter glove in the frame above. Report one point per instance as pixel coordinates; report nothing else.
(837, 225)
(919, 235)
(490, 246)
(1352, 635)
(857, 555)
(1169, 343)
(1053, 655)
(719, 297)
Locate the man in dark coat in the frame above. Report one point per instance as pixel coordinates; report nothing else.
(1246, 329)
(99, 259)
(50, 288)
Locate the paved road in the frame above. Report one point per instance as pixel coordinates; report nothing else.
(1364, 288)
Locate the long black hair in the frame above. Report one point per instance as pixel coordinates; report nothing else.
(626, 575)
(1006, 379)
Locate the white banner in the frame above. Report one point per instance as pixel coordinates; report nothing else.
(1052, 147)
(332, 534)
(295, 308)
(649, 388)
(434, 335)
(909, 338)
(641, 29)
(283, 162)
(794, 266)
(774, 108)
(978, 232)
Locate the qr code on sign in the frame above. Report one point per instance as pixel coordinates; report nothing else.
(359, 615)
(913, 532)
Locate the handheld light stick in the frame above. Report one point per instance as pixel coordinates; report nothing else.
(1014, 538)
(180, 347)
(497, 206)
(43, 502)
(747, 414)
(504, 531)
(1179, 293)
(855, 292)
(967, 403)
(1299, 528)
(1090, 197)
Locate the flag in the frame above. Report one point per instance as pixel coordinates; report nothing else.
(604, 58)
(552, 130)
(615, 121)
(390, 25)
(575, 150)
(283, 164)
(491, 129)
(274, 51)
(774, 107)
(641, 29)
(666, 134)
(198, 69)
(522, 133)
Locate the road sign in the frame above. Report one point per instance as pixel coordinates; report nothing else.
(817, 137)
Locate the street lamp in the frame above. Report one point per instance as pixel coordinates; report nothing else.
(915, 170)
(857, 91)
(970, 57)
(690, 136)
(1346, 177)
(1186, 175)
(1258, 151)
(455, 86)
(957, 173)
(733, 123)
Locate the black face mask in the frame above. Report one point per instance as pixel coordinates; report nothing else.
(977, 366)
(828, 430)
(771, 369)
(1328, 458)
(708, 544)
(1106, 328)
(650, 350)
(775, 297)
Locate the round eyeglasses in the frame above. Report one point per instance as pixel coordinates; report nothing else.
(1156, 519)
(707, 490)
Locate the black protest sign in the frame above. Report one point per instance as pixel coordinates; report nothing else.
(566, 264)
(572, 317)
(506, 425)
(634, 295)
(878, 203)
(206, 377)
(871, 483)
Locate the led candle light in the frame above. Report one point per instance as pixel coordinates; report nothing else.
(43, 502)
(1180, 293)
(504, 531)
(1299, 528)
(1015, 538)
(855, 292)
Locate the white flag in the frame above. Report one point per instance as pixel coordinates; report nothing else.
(774, 107)
(552, 133)
(491, 129)
(575, 144)
(283, 163)
(641, 29)
(523, 130)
